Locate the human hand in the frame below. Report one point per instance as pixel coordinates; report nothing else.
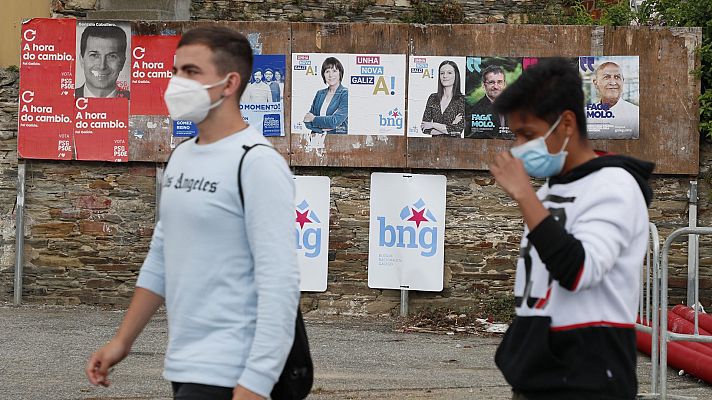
(97, 369)
(511, 176)
(309, 117)
(457, 119)
(242, 393)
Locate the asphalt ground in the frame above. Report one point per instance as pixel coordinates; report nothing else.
(43, 350)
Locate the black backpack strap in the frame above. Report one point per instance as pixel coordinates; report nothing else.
(239, 170)
(297, 377)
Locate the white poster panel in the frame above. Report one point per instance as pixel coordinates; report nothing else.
(314, 109)
(312, 204)
(406, 232)
(376, 94)
(429, 78)
(611, 85)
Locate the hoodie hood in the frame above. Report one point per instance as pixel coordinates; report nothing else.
(639, 169)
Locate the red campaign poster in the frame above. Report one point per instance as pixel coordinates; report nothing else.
(46, 89)
(151, 69)
(102, 90)
(101, 129)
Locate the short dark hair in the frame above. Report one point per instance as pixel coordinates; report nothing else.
(546, 90)
(104, 32)
(332, 62)
(231, 50)
(492, 69)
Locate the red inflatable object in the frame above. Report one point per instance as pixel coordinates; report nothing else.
(679, 356)
(704, 320)
(679, 324)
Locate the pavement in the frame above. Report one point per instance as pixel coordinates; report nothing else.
(43, 350)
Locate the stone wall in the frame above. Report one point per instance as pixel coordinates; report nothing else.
(9, 83)
(419, 11)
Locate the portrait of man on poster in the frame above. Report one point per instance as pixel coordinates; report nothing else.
(102, 57)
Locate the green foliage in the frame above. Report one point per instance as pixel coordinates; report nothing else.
(499, 309)
(557, 12)
(334, 10)
(689, 13)
(617, 14)
(359, 6)
(443, 12)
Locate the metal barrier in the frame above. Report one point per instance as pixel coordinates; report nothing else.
(649, 303)
(666, 336)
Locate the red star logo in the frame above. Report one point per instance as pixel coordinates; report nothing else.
(418, 217)
(303, 218)
(395, 113)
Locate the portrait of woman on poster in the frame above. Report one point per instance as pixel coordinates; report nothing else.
(444, 113)
(279, 78)
(330, 109)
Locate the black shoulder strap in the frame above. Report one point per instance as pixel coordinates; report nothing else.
(239, 170)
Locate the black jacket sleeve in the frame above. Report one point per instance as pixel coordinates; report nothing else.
(559, 250)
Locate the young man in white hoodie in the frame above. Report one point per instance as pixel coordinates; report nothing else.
(226, 271)
(585, 238)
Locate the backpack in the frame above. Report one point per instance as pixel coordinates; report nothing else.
(297, 377)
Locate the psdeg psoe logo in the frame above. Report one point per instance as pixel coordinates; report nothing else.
(308, 236)
(413, 232)
(394, 119)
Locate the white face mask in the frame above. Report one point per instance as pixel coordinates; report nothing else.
(187, 99)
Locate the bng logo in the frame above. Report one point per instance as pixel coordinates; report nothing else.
(413, 232)
(308, 233)
(394, 119)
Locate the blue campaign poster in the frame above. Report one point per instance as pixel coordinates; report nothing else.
(262, 103)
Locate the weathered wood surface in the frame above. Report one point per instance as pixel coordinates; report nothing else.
(669, 90)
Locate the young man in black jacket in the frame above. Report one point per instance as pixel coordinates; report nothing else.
(585, 238)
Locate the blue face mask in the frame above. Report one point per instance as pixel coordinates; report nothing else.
(538, 162)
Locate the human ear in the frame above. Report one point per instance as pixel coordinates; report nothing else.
(568, 120)
(233, 83)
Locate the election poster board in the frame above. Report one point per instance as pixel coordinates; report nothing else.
(46, 103)
(612, 91)
(151, 70)
(430, 80)
(262, 103)
(487, 78)
(406, 232)
(367, 95)
(312, 205)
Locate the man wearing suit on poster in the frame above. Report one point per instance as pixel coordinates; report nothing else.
(493, 83)
(330, 109)
(619, 117)
(102, 57)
